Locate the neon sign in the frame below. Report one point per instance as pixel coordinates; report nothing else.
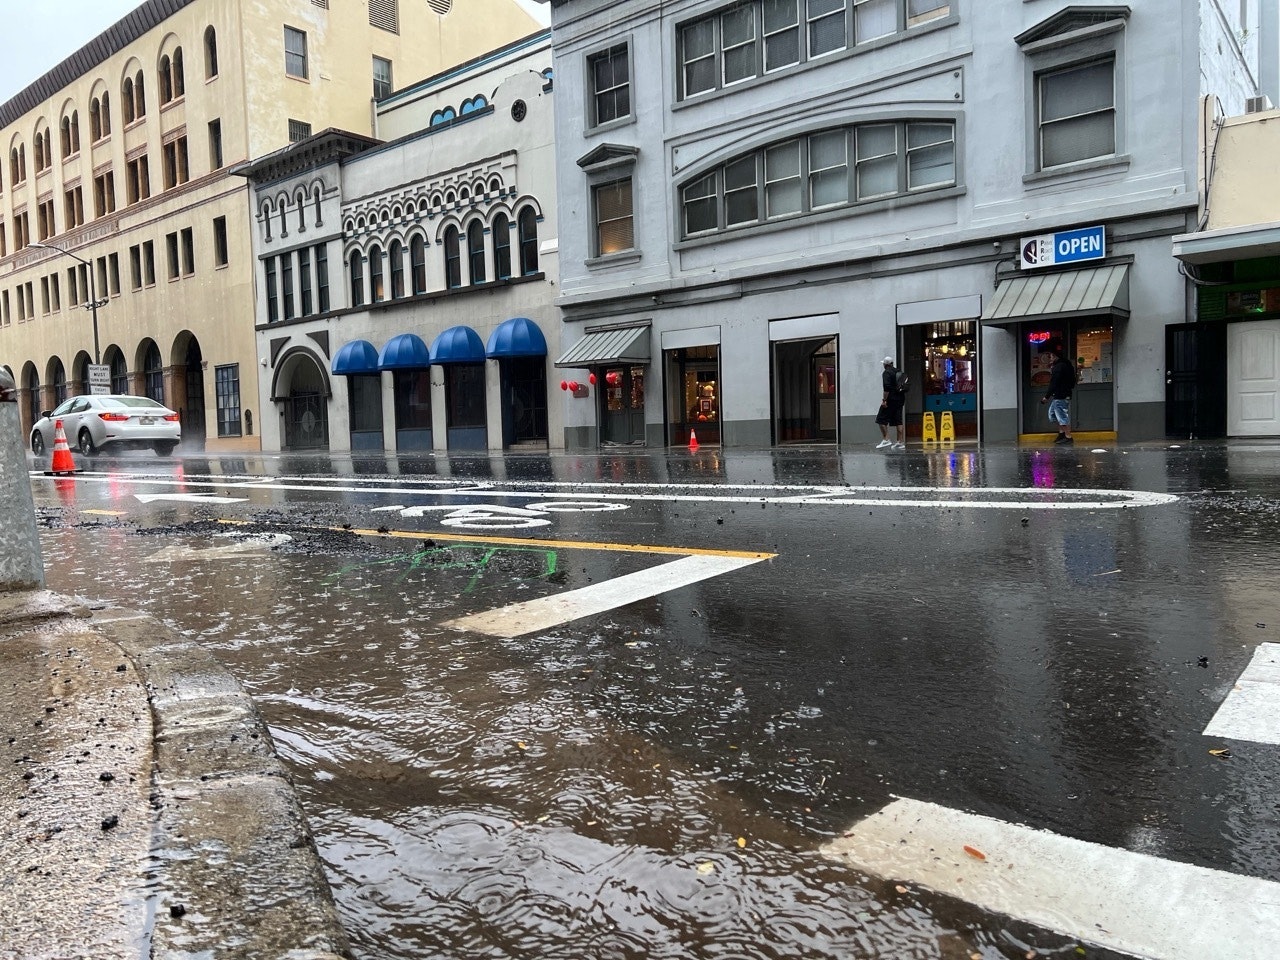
(1038, 336)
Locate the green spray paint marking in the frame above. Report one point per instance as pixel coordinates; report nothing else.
(431, 558)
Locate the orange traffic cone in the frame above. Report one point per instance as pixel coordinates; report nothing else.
(63, 463)
(693, 440)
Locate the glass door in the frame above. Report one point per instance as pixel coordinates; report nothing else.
(622, 401)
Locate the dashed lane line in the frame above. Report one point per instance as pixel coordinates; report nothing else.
(1130, 902)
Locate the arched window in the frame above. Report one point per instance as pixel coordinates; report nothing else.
(95, 120)
(210, 53)
(48, 149)
(528, 228)
(266, 219)
(396, 255)
(377, 292)
(302, 210)
(39, 152)
(166, 81)
(418, 264)
(316, 198)
(119, 374)
(66, 137)
(357, 279)
(106, 115)
(75, 131)
(126, 98)
(139, 97)
(501, 247)
(59, 382)
(153, 373)
(179, 74)
(452, 259)
(475, 251)
(284, 223)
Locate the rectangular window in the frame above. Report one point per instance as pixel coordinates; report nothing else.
(826, 26)
(1077, 113)
(701, 205)
(286, 284)
(135, 268)
(412, 392)
(610, 75)
(176, 167)
(273, 297)
(226, 381)
(741, 196)
(295, 53)
(384, 15)
(55, 292)
(782, 193)
(874, 18)
(104, 194)
(171, 245)
(739, 46)
(73, 203)
(149, 263)
(137, 180)
(698, 54)
(322, 278)
(215, 144)
(931, 155)
(304, 281)
(877, 160)
(113, 274)
(221, 256)
(45, 227)
(829, 168)
(614, 217)
(781, 34)
(44, 296)
(922, 11)
(381, 78)
(298, 130)
(100, 289)
(188, 240)
(73, 286)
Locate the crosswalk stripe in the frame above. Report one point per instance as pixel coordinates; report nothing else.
(1252, 708)
(1131, 902)
(519, 619)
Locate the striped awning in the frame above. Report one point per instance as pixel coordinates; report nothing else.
(623, 345)
(1070, 293)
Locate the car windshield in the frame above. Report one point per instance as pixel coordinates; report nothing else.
(145, 402)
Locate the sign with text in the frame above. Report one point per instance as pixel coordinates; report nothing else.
(1055, 249)
(99, 379)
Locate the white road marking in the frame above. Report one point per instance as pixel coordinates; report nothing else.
(188, 498)
(259, 545)
(1131, 902)
(545, 613)
(1252, 708)
(998, 498)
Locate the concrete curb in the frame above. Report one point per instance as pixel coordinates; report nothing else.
(237, 873)
(208, 853)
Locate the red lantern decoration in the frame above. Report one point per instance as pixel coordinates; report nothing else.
(564, 384)
(591, 379)
(573, 384)
(613, 378)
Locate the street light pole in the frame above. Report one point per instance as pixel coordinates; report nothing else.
(93, 304)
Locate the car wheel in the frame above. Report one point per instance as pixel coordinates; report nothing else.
(37, 443)
(165, 448)
(85, 442)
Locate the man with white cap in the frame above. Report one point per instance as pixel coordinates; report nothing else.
(890, 414)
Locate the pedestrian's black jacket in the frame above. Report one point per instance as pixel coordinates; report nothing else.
(1062, 380)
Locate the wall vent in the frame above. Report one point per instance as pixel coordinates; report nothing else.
(1257, 104)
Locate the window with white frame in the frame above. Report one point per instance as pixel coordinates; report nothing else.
(824, 170)
(609, 74)
(1076, 113)
(751, 39)
(381, 78)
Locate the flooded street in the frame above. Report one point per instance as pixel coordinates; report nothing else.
(659, 779)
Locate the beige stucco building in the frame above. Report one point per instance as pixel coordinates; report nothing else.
(116, 161)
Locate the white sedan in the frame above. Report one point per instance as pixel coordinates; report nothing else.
(117, 420)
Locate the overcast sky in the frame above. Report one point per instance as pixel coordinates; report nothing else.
(39, 34)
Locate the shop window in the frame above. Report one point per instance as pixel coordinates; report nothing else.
(693, 399)
(412, 389)
(464, 395)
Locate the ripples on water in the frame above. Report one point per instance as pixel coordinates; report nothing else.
(576, 796)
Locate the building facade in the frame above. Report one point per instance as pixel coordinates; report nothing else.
(115, 193)
(406, 288)
(1224, 367)
(788, 192)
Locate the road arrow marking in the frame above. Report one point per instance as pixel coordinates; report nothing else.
(188, 498)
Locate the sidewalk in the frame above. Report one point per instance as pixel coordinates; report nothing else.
(144, 811)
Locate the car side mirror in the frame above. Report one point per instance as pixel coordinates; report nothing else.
(46, 413)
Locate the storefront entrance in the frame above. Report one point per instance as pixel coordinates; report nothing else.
(1089, 345)
(693, 394)
(805, 402)
(622, 404)
(949, 376)
(1253, 379)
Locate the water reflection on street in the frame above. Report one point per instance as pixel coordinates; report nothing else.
(656, 782)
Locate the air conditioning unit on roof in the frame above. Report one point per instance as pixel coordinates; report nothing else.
(1257, 104)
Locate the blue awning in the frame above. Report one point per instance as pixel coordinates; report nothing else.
(457, 345)
(405, 352)
(356, 357)
(517, 337)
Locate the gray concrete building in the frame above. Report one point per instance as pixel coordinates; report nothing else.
(760, 201)
(405, 287)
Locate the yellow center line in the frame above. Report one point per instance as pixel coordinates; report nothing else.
(452, 537)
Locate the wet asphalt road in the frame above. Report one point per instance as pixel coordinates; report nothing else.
(656, 780)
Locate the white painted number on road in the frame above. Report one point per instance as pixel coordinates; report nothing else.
(484, 516)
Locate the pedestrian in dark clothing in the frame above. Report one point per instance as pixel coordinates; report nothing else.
(890, 414)
(1062, 381)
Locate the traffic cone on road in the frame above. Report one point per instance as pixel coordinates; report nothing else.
(693, 441)
(63, 462)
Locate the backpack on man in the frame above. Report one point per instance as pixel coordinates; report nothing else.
(903, 382)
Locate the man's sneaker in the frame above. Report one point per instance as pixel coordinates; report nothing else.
(884, 443)
(1066, 439)
(899, 446)
(1062, 438)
